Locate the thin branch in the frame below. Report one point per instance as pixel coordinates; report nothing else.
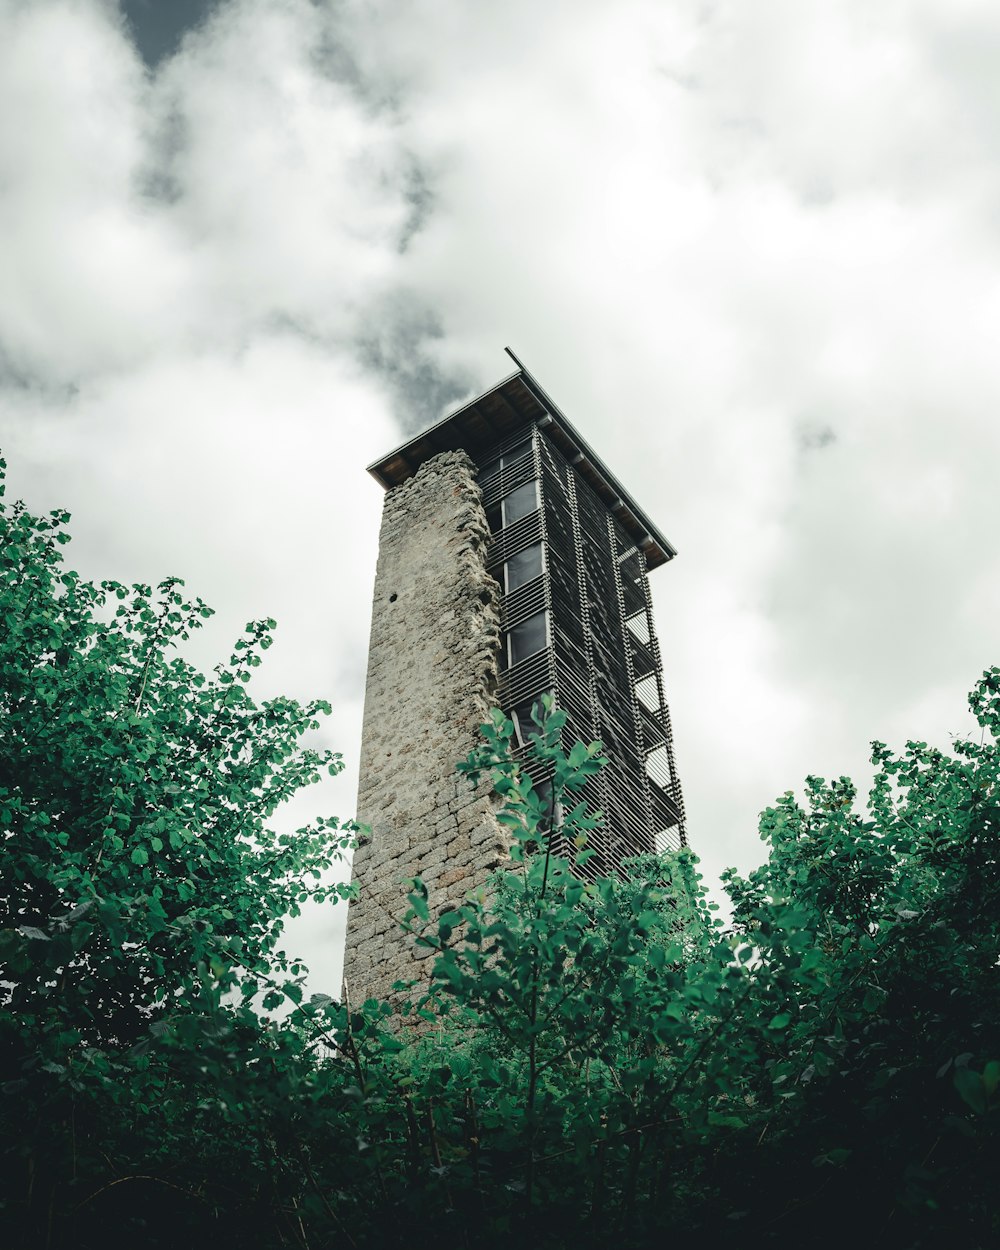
(140, 1176)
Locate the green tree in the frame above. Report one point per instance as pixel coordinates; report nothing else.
(598, 1060)
(141, 887)
(825, 1067)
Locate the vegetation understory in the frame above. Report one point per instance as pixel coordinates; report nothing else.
(593, 1063)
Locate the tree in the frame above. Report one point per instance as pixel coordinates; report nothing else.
(598, 1060)
(141, 886)
(824, 1068)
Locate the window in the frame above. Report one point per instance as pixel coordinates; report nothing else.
(523, 567)
(515, 453)
(508, 458)
(520, 502)
(528, 637)
(524, 724)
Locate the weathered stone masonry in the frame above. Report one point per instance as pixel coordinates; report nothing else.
(432, 674)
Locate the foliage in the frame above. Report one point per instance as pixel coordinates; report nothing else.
(597, 1060)
(824, 1067)
(142, 893)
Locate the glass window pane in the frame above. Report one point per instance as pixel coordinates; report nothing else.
(520, 502)
(494, 518)
(521, 716)
(524, 723)
(528, 637)
(524, 566)
(516, 453)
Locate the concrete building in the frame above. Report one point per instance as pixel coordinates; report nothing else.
(511, 562)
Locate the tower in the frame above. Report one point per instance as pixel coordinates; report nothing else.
(511, 563)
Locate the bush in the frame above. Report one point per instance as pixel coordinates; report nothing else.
(597, 1061)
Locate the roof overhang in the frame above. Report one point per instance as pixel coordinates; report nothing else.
(497, 415)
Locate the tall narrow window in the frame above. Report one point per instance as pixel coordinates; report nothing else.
(524, 719)
(528, 637)
(520, 502)
(523, 567)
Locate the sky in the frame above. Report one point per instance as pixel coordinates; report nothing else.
(750, 250)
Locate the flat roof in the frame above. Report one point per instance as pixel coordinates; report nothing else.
(498, 414)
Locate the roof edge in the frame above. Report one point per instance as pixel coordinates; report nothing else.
(395, 466)
(572, 432)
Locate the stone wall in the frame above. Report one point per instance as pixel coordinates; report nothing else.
(431, 679)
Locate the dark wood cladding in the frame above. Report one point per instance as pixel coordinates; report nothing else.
(602, 662)
(601, 659)
(510, 409)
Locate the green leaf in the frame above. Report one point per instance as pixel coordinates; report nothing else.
(139, 856)
(419, 904)
(971, 1089)
(725, 1120)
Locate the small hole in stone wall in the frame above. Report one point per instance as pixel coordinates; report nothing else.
(392, 597)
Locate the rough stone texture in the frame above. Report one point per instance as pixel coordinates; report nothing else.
(431, 679)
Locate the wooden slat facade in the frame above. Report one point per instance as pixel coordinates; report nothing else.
(602, 661)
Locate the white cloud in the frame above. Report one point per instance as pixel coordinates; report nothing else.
(713, 230)
(187, 263)
(750, 250)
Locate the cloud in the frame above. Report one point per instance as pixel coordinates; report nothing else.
(748, 249)
(200, 354)
(697, 225)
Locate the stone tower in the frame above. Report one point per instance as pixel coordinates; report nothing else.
(511, 563)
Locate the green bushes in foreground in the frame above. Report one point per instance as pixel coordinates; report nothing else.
(596, 1063)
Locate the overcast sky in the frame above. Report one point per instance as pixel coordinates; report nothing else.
(750, 249)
